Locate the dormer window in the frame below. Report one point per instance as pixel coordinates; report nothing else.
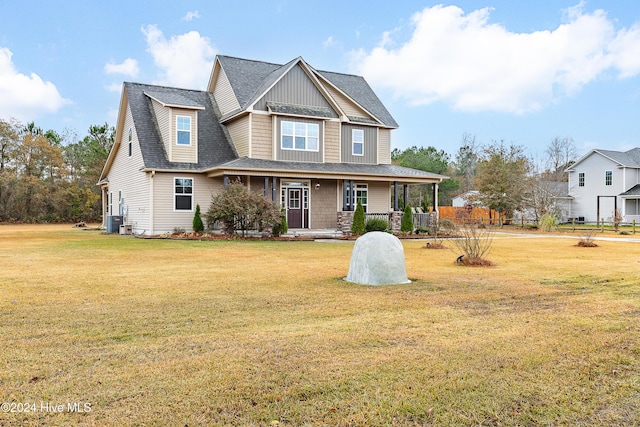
(183, 130)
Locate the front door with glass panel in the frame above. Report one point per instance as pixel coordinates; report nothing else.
(297, 202)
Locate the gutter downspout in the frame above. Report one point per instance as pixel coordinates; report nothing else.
(153, 173)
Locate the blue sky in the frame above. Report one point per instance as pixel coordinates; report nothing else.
(520, 71)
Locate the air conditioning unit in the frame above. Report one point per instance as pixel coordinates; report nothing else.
(113, 223)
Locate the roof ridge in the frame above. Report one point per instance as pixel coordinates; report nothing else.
(165, 87)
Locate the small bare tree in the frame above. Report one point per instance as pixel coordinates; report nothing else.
(617, 218)
(474, 241)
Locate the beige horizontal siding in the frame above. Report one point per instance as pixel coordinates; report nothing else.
(125, 176)
(163, 118)
(331, 142)
(384, 146)
(239, 132)
(223, 93)
(261, 136)
(379, 197)
(349, 107)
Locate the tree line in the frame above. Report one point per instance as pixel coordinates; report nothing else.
(505, 178)
(50, 177)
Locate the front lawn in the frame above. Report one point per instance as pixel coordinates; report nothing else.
(165, 332)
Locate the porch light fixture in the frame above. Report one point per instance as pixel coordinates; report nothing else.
(317, 185)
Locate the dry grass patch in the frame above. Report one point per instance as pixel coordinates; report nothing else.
(245, 333)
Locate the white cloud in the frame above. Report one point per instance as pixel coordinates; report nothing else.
(185, 60)
(114, 87)
(25, 97)
(129, 68)
(191, 15)
(474, 65)
(328, 42)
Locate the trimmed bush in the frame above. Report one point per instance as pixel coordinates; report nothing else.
(376, 224)
(282, 227)
(406, 226)
(357, 226)
(198, 225)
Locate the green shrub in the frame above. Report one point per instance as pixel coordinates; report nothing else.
(198, 225)
(282, 227)
(422, 230)
(406, 226)
(357, 226)
(376, 224)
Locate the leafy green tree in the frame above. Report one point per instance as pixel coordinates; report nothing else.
(358, 224)
(502, 177)
(198, 226)
(429, 160)
(406, 225)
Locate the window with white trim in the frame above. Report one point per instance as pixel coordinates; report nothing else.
(130, 141)
(357, 142)
(183, 194)
(362, 194)
(299, 136)
(608, 177)
(581, 179)
(183, 130)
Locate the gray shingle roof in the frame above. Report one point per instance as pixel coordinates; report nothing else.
(173, 99)
(333, 168)
(250, 79)
(213, 143)
(633, 191)
(629, 158)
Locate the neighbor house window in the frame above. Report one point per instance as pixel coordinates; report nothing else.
(581, 179)
(183, 130)
(357, 138)
(608, 177)
(183, 194)
(130, 141)
(299, 136)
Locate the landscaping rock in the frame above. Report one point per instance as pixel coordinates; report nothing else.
(377, 259)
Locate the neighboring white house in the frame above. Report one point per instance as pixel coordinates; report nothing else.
(602, 181)
(464, 199)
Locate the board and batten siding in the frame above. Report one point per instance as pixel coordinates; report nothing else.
(163, 118)
(370, 153)
(261, 136)
(384, 146)
(298, 155)
(184, 153)
(125, 176)
(346, 105)
(239, 132)
(165, 218)
(331, 141)
(223, 93)
(295, 88)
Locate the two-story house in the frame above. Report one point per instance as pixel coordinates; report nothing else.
(602, 181)
(315, 142)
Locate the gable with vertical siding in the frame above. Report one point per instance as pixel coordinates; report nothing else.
(295, 88)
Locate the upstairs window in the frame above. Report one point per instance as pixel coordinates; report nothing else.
(357, 138)
(299, 136)
(183, 194)
(581, 179)
(183, 130)
(608, 177)
(130, 141)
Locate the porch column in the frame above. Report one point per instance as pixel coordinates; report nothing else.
(395, 196)
(266, 187)
(352, 196)
(345, 202)
(404, 195)
(435, 197)
(274, 189)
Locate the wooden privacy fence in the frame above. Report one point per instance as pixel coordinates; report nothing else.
(463, 215)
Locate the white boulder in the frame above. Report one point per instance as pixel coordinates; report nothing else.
(377, 259)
